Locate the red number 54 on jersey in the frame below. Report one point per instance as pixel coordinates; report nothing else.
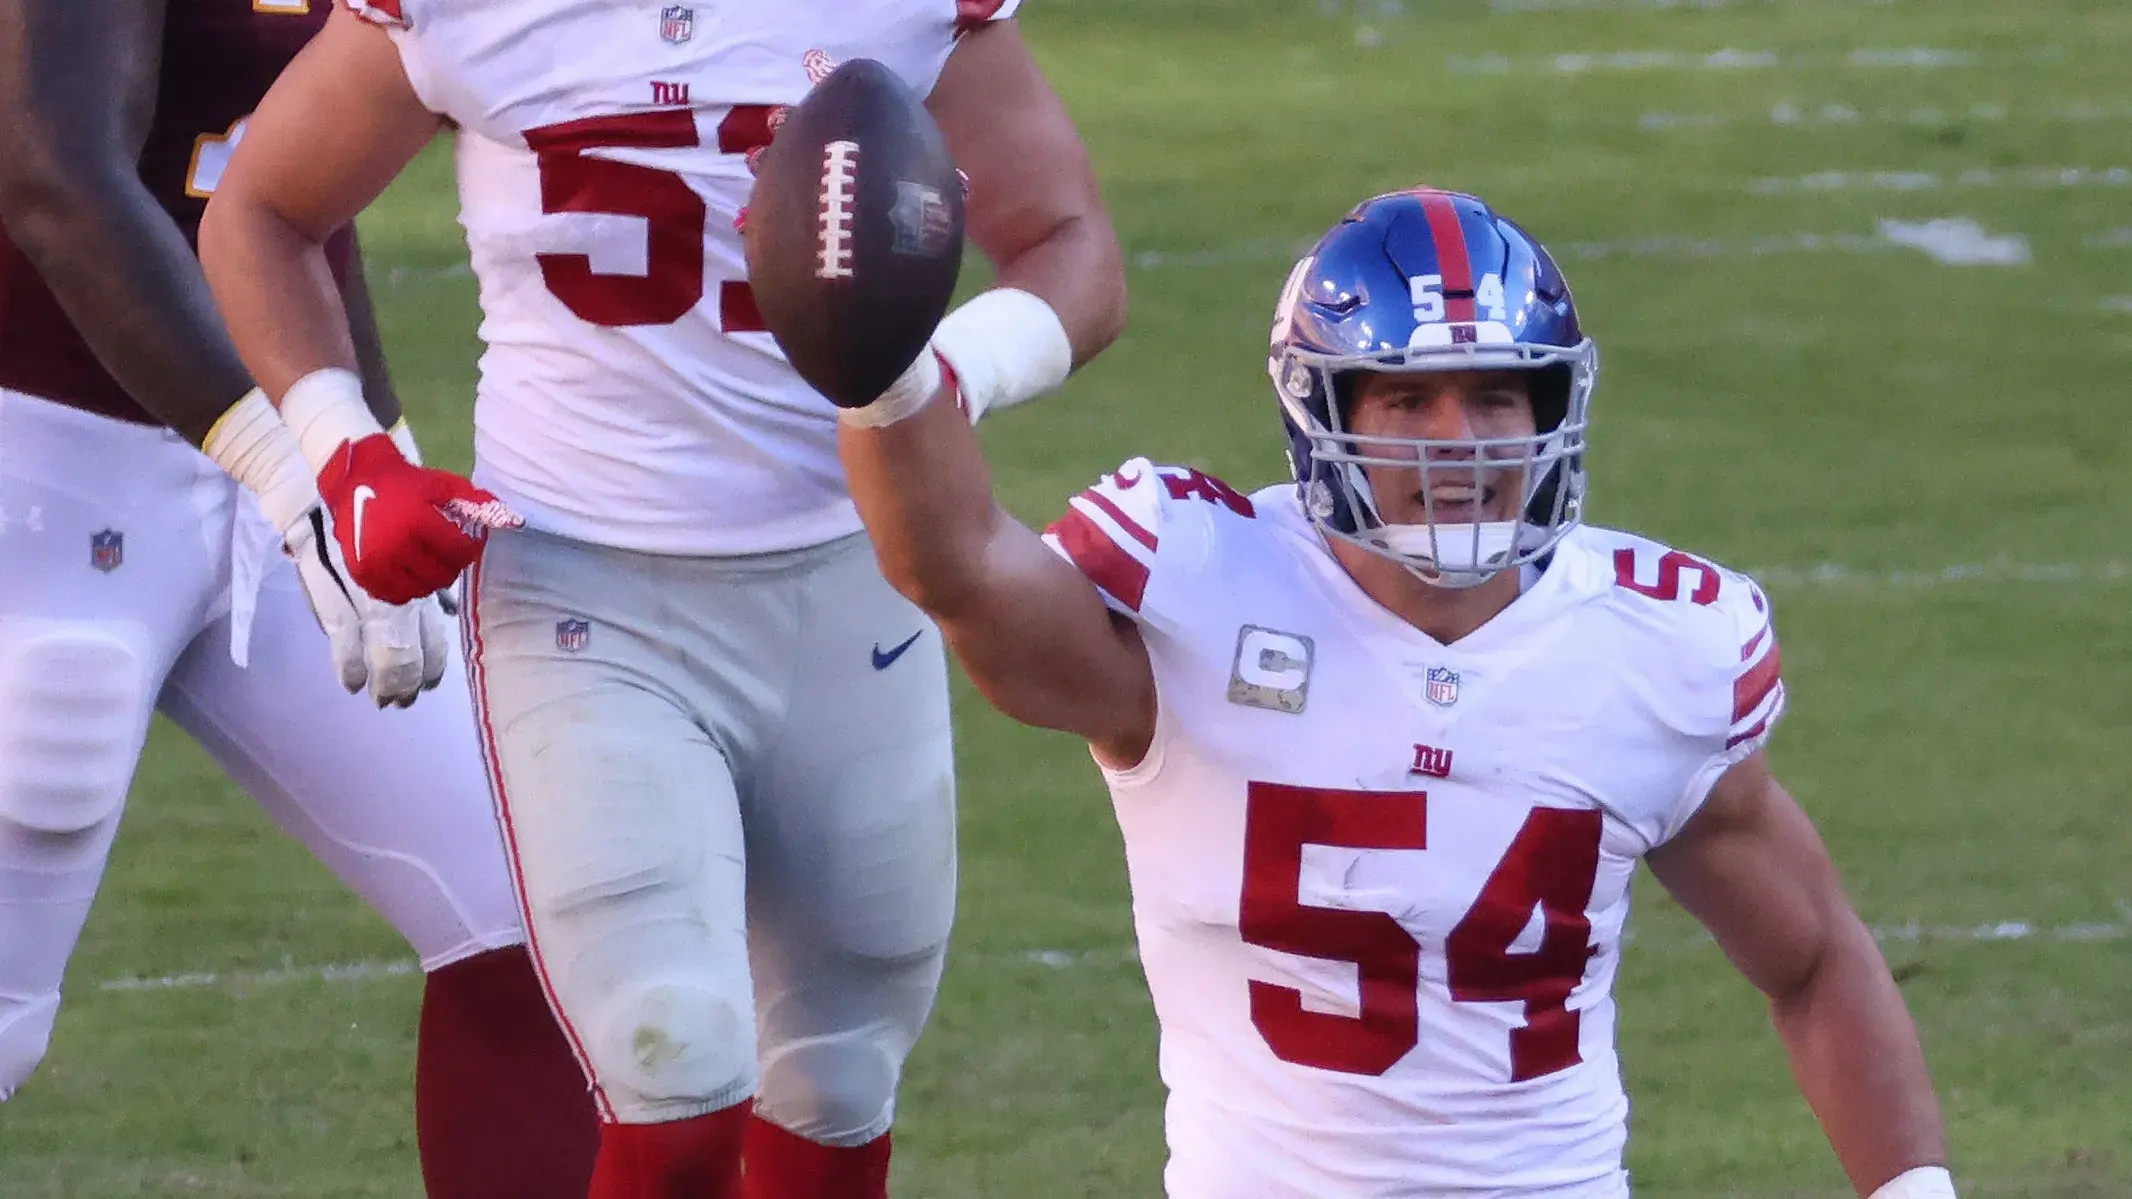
(1551, 865)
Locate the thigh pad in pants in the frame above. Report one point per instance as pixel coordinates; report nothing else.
(624, 829)
(73, 710)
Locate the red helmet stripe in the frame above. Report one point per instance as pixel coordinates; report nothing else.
(1452, 257)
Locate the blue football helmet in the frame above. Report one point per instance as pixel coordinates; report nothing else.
(1429, 280)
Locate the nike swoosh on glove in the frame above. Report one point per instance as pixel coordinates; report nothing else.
(404, 530)
(397, 651)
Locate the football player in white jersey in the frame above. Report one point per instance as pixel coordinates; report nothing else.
(1387, 742)
(718, 740)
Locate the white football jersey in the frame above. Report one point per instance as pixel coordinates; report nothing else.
(1379, 883)
(629, 394)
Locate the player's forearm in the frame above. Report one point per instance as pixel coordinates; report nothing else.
(922, 487)
(1079, 269)
(123, 274)
(1855, 1053)
(277, 292)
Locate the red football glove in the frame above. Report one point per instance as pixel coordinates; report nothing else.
(405, 530)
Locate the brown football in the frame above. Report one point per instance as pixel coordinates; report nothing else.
(854, 232)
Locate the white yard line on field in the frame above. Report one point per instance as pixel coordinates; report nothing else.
(1913, 932)
(1521, 6)
(342, 972)
(2033, 178)
(1835, 574)
(1791, 114)
(2117, 304)
(1724, 59)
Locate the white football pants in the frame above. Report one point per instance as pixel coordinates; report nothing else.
(703, 763)
(119, 548)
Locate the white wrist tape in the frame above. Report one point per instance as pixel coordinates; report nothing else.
(1924, 1182)
(404, 437)
(256, 448)
(903, 398)
(324, 409)
(1006, 346)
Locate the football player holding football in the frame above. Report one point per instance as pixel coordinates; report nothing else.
(1387, 741)
(718, 739)
(137, 575)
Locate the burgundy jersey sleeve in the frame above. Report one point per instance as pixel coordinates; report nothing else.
(219, 58)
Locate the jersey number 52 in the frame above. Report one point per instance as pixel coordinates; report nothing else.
(1551, 865)
(675, 217)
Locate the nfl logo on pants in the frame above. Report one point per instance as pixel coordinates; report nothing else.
(107, 549)
(677, 24)
(1441, 687)
(571, 635)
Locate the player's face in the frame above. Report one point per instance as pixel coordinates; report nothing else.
(1465, 485)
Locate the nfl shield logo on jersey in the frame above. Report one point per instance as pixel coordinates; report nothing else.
(677, 24)
(107, 549)
(571, 635)
(1441, 687)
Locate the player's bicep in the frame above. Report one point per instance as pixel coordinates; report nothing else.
(1034, 207)
(335, 130)
(1043, 645)
(77, 95)
(1750, 866)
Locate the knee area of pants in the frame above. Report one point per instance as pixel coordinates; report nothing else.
(25, 1034)
(834, 1090)
(70, 702)
(674, 1041)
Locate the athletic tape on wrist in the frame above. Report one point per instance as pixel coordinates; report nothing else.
(909, 393)
(251, 442)
(404, 437)
(324, 409)
(1923, 1182)
(1007, 346)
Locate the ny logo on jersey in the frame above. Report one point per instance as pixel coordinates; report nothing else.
(1430, 761)
(677, 24)
(663, 92)
(1272, 670)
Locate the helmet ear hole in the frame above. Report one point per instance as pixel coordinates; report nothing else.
(1550, 396)
(1541, 508)
(1345, 386)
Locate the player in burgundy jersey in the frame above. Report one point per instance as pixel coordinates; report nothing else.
(137, 575)
(1388, 739)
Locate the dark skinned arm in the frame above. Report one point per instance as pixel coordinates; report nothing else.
(369, 343)
(77, 95)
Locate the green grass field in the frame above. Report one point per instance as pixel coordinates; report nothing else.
(1918, 457)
